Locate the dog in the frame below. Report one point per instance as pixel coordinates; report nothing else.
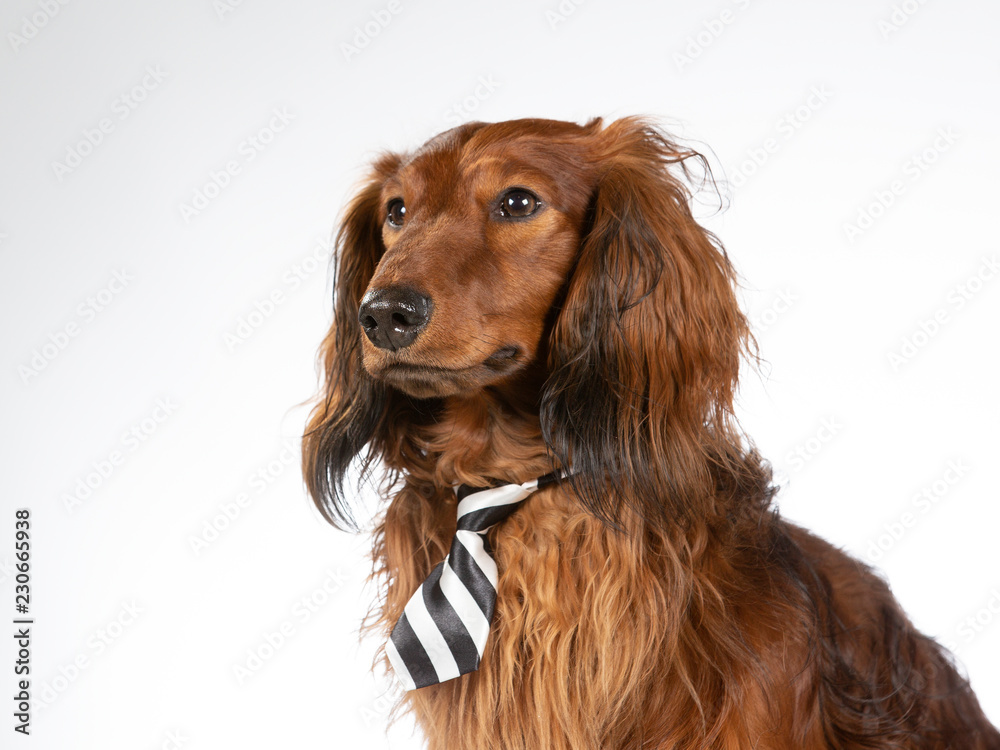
(524, 297)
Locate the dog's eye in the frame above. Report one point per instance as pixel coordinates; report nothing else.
(518, 203)
(396, 212)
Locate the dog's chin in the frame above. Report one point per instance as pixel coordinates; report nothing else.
(426, 381)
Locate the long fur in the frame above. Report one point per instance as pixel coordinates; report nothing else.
(656, 600)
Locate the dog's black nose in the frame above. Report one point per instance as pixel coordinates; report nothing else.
(392, 317)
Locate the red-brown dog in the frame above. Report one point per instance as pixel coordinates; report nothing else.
(529, 295)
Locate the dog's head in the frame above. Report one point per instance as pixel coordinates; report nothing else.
(535, 247)
(477, 233)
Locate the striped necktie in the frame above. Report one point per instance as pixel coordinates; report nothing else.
(442, 632)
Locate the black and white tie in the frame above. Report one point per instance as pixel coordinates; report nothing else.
(442, 632)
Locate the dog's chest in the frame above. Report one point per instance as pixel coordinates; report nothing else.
(566, 644)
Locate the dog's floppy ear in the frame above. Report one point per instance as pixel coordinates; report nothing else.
(349, 419)
(645, 351)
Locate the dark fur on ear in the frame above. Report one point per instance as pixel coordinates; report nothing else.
(645, 353)
(354, 408)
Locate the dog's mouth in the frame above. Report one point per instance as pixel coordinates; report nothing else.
(502, 358)
(428, 380)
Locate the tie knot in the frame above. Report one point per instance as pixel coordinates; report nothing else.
(479, 509)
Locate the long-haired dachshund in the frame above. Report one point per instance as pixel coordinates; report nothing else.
(529, 297)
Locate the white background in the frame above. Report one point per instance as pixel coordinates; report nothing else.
(161, 627)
